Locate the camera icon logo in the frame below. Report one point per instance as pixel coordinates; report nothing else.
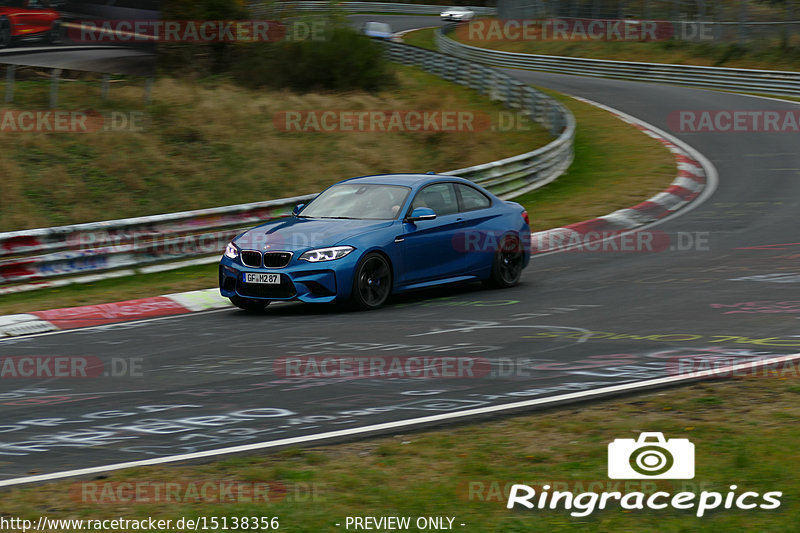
(651, 457)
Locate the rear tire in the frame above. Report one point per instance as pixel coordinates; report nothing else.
(249, 304)
(507, 266)
(5, 33)
(372, 282)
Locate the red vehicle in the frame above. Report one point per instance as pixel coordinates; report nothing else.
(24, 19)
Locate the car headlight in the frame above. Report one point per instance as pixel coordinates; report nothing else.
(231, 251)
(326, 254)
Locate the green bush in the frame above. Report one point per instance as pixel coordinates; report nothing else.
(344, 60)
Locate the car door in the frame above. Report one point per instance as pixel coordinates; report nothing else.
(477, 237)
(428, 250)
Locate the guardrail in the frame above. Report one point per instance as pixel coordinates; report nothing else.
(511, 177)
(56, 256)
(733, 79)
(373, 7)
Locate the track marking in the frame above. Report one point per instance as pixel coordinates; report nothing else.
(575, 396)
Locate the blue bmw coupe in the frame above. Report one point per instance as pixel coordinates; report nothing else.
(366, 238)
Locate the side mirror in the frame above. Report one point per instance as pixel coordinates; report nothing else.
(421, 213)
(297, 209)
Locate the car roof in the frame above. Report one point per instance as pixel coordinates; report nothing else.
(409, 180)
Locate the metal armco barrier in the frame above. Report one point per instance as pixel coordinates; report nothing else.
(733, 79)
(373, 7)
(28, 258)
(516, 175)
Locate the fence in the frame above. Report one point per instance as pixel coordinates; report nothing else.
(50, 257)
(757, 81)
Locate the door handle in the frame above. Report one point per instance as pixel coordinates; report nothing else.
(399, 239)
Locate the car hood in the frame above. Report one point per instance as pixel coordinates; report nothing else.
(293, 234)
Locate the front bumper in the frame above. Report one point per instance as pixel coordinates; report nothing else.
(322, 282)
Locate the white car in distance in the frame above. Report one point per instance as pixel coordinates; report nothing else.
(458, 14)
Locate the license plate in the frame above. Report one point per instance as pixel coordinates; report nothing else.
(267, 279)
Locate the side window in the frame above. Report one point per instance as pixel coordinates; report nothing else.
(35, 4)
(441, 197)
(472, 198)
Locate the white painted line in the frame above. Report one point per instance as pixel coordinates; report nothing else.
(626, 387)
(667, 200)
(24, 324)
(688, 184)
(200, 300)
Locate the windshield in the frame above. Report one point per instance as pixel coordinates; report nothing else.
(358, 201)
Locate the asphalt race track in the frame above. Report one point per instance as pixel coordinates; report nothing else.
(579, 321)
(134, 61)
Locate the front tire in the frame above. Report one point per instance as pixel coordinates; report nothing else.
(508, 262)
(5, 33)
(372, 282)
(249, 304)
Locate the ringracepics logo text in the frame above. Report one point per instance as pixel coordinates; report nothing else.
(650, 456)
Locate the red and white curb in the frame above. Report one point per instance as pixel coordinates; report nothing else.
(111, 313)
(696, 180)
(691, 181)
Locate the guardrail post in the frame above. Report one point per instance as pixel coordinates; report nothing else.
(555, 122)
(10, 69)
(742, 33)
(55, 74)
(104, 86)
(475, 77)
(488, 76)
(532, 103)
(148, 90)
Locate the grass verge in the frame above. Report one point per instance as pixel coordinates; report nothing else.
(421, 38)
(745, 432)
(615, 166)
(210, 143)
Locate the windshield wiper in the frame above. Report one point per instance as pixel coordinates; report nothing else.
(341, 218)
